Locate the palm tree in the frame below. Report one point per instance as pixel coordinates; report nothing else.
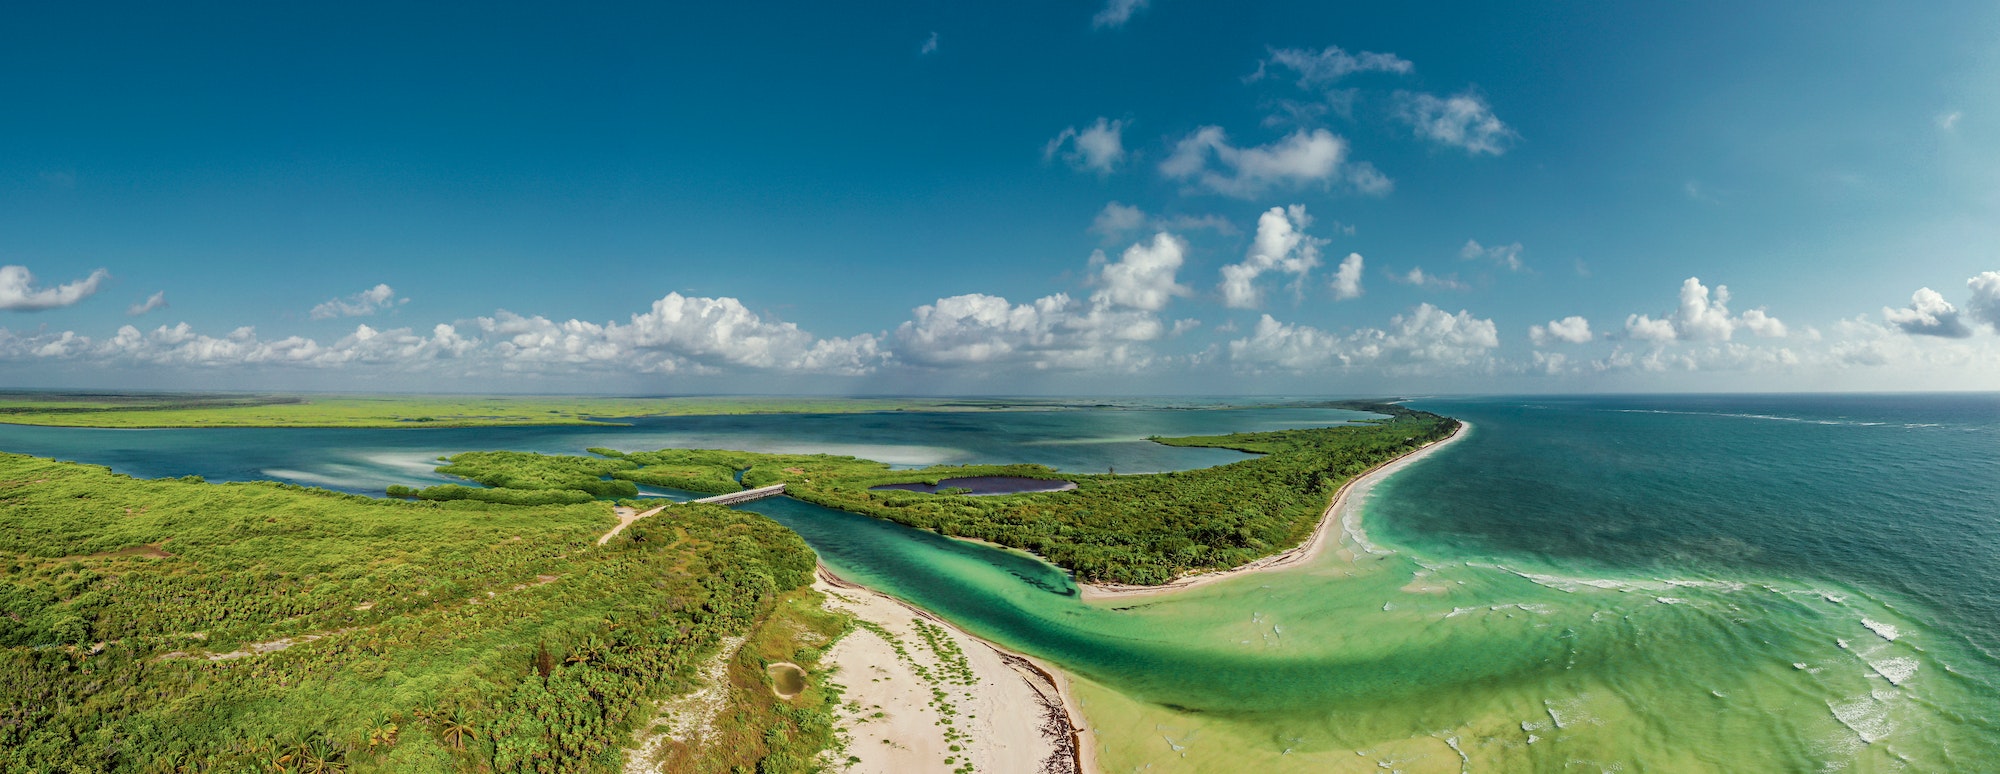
(587, 653)
(185, 762)
(319, 756)
(384, 734)
(456, 731)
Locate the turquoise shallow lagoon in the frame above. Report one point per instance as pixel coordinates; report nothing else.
(1773, 583)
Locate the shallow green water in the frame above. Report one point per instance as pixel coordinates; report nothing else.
(1470, 653)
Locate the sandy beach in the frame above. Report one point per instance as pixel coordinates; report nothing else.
(922, 695)
(1330, 531)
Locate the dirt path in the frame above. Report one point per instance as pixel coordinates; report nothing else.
(625, 518)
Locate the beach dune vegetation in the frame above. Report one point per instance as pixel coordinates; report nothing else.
(173, 625)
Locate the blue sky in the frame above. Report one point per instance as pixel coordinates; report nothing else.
(910, 198)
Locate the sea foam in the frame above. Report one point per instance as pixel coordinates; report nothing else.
(1867, 716)
(1896, 670)
(1885, 631)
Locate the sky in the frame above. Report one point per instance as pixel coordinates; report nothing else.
(1083, 197)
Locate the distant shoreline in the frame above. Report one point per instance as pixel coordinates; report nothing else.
(1329, 526)
(189, 411)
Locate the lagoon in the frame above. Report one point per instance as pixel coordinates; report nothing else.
(1686, 584)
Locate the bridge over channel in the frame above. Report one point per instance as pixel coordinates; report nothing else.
(744, 496)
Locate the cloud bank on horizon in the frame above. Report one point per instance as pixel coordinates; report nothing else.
(1114, 329)
(1201, 252)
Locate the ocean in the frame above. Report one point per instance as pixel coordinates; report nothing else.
(1684, 583)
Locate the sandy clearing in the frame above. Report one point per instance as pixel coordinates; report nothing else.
(625, 518)
(687, 719)
(1332, 529)
(1007, 712)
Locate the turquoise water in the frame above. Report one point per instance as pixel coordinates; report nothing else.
(1898, 494)
(1729, 583)
(1787, 583)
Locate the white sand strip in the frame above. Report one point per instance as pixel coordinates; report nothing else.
(1007, 712)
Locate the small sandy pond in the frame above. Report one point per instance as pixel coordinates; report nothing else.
(787, 679)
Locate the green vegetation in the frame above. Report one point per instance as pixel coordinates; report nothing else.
(521, 478)
(1143, 529)
(173, 625)
(711, 472)
(758, 731)
(526, 478)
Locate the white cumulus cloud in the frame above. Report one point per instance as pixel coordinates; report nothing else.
(155, 301)
(1099, 147)
(1281, 246)
(1929, 315)
(1109, 330)
(1702, 317)
(1645, 328)
(1461, 121)
(716, 330)
(1506, 256)
(181, 346)
(1425, 340)
(362, 304)
(18, 293)
(1762, 324)
(1985, 304)
(1205, 159)
(1418, 277)
(703, 335)
(1117, 221)
(1143, 277)
(1318, 68)
(1347, 278)
(1052, 332)
(1116, 12)
(677, 334)
(1572, 330)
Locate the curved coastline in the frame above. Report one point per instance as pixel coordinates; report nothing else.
(1332, 526)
